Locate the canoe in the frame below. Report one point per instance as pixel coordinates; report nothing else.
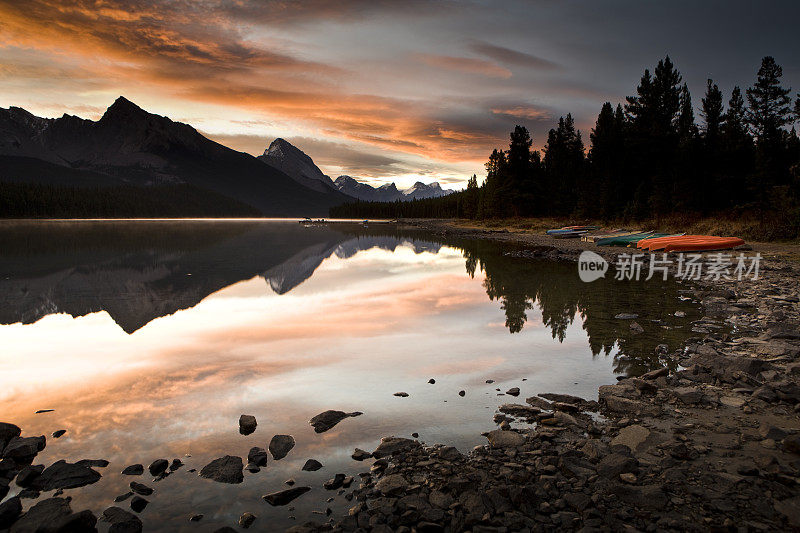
(574, 234)
(686, 243)
(567, 229)
(643, 243)
(612, 234)
(624, 240)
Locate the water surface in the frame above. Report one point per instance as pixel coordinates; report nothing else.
(149, 339)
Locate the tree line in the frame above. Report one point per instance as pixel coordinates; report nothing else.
(25, 200)
(646, 158)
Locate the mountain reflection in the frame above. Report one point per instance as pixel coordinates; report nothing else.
(139, 271)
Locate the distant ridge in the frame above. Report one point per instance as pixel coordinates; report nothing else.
(130, 147)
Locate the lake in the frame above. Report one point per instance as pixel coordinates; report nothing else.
(150, 338)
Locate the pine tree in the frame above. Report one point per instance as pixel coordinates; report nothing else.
(687, 129)
(769, 102)
(712, 111)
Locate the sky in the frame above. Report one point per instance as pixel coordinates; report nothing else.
(382, 90)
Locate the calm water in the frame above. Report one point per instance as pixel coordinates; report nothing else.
(149, 339)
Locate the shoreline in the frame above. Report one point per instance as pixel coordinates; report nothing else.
(714, 445)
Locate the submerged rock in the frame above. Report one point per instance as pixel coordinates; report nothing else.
(335, 483)
(513, 391)
(280, 445)
(64, 475)
(360, 455)
(246, 520)
(226, 469)
(401, 394)
(158, 467)
(312, 465)
(257, 456)
(138, 504)
(283, 497)
(326, 420)
(59, 433)
(133, 470)
(247, 424)
(141, 489)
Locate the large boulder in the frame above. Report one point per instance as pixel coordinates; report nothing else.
(64, 475)
(631, 436)
(9, 512)
(326, 420)
(226, 469)
(24, 448)
(247, 424)
(505, 439)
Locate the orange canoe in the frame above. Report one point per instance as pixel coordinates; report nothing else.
(700, 245)
(685, 243)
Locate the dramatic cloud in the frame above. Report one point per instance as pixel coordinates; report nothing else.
(513, 57)
(431, 86)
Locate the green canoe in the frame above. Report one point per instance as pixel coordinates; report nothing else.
(624, 240)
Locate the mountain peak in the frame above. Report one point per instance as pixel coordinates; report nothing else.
(288, 158)
(122, 108)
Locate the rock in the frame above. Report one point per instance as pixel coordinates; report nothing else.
(93, 463)
(158, 467)
(195, 518)
(141, 489)
(688, 395)
(732, 401)
(8, 432)
(226, 469)
(30, 494)
(768, 431)
(611, 466)
(636, 328)
(283, 497)
(628, 478)
(64, 475)
(138, 504)
(392, 484)
(10, 510)
(175, 464)
(257, 456)
(312, 465)
(59, 433)
(462, 393)
(790, 508)
(505, 439)
(289, 481)
(133, 470)
(655, 374)
(595, 449)
(360, 455)
(449, 453)
(246, 520)
(401, 394)
(792, 444)
(43, 515)
(280, 445)
(513, 391)
(431, 381)
(415, 435)
(539, 403)
(326, 420)
(23, 449)
(680, 314)
(28, 474)
(519, 411)
(563, 398)
(618, 404)
(626, 316)
(121, 521)
(247, 424)
(40, 411)
(123, 497)
(391, 445)
(683, 452)
(335, 483)
(631, 436)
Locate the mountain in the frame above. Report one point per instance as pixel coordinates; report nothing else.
(293, 162)
(366, 192)
(419, 191)
(129, 146)
(389, 191)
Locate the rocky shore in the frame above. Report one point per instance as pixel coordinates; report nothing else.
(711, 446)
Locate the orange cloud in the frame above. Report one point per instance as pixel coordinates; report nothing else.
(466, 64)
